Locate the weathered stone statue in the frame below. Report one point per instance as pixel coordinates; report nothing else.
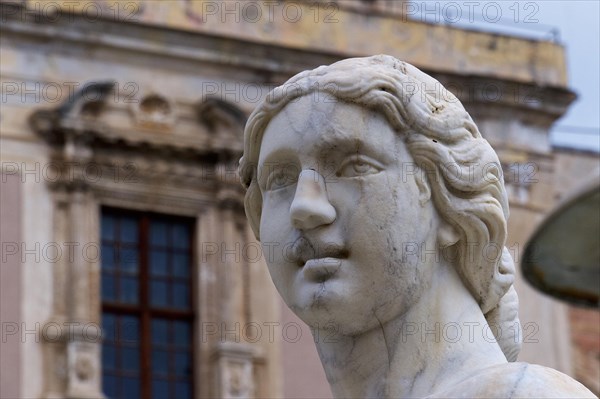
(387, 212)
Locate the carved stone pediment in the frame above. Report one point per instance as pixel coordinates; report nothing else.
(144, 151)
(99, 117)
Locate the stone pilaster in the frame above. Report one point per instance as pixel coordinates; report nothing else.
(233, 357)
(72, 336)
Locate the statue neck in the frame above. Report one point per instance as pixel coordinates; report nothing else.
(441, 340)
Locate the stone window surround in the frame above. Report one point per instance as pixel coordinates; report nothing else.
(167, 179)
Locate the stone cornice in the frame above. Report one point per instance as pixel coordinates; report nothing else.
(272, 48)
(193, 47)
(549, 102)
(541, 103)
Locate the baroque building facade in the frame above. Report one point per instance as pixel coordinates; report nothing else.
(122, 121)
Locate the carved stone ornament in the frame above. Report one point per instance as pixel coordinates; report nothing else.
(84, 367)
(83, 376)
(159, 148)
(363, 171)
(235, 371)
(154, 112)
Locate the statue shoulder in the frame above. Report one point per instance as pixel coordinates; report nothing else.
(519, 380)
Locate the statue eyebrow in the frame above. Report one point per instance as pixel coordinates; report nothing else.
(285, 154)
(351, 144)
(281, 156)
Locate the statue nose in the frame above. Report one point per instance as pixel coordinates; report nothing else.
(310, 207)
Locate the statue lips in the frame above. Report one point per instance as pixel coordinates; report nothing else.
(319, 261)
(321, 269)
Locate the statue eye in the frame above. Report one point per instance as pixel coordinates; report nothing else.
(280, 179)
(359, 165)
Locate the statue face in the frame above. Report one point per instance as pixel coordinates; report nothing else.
(344, 223)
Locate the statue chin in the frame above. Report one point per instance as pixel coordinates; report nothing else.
(368, 171)
(327, 310)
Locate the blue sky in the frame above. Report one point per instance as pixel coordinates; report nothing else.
(574, 24)
(579, 25)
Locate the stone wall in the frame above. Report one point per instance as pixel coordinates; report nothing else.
(585, 330)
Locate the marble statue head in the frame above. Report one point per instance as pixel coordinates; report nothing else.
(382, 211)
(446, 163)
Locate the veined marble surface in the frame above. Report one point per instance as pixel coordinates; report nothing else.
(383, 213)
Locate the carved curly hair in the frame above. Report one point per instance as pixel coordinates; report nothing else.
(462, 169)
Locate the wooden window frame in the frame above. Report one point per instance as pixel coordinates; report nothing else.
(143, 309)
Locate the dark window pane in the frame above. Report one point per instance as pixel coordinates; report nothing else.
(108, 287)
(183, 332)
(129, 230)
(167, 264)
(108, 227)
(108, 256)
(130, 387)
(129, 260)
(181, 295)
(158, 293)
(109, 385)
(181, 265)
(129, 290)
(109, 327)
(160, 331)
(183, 390)
(158, 233)
(158, 263)
(181, 236)
(130, 329)
(130, 359)
(109, 355)
(183, 364)
(160, 362)
(160, 389)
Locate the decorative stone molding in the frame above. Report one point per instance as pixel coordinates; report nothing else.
(99, 162)
(234, 363)
(84, 367)
(155, 112)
